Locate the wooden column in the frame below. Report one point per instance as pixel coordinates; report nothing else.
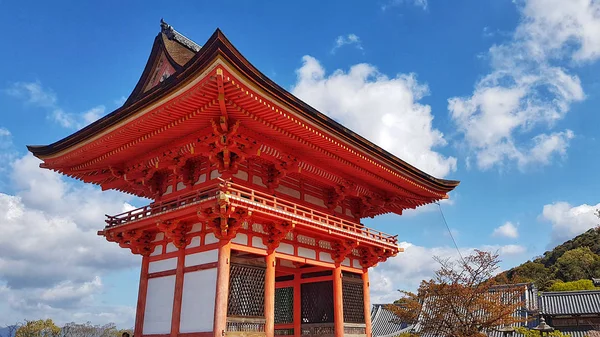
(178, 293)
(222, 293)
(270, 295)
(367, 302)
(297, 305)
(338, 302)
(141, 303)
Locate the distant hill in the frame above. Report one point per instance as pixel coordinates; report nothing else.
(576, 259)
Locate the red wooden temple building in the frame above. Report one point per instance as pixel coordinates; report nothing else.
(254, 226)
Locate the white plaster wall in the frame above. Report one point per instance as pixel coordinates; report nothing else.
(285, 248)
(346, 262)
(169, 190)
(201, 178)
(198, 303)
(258, 243)
(195, 242)
(289, 191)
(159, 305)
(241, 238)
(180, 186)
(314, 200)
(159, 236)
(210, 238)
(241, 175)
(171, 247)
(256, 180)
(201, 258)
(325, 257)
(214, 174)
(196, 228)
(157, 250)
(307, 253)
(162, 265)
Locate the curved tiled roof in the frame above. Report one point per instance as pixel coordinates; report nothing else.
(385, 323)
(570, 302)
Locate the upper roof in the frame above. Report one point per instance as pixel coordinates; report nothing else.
(185, 59)
(570, 302)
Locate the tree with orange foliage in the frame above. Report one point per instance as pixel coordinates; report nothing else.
(462, 299)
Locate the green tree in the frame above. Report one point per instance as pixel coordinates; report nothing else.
(39, 328)
(573, 285)
(579, 263)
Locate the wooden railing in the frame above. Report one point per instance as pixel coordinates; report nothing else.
(180, 201)
(256, 200)
(321, 218)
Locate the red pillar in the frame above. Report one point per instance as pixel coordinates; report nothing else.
(178, 293)
(297, 305)
(270, 295)
(367, 303)
(338, 302)
(141, 303)
(222, 293)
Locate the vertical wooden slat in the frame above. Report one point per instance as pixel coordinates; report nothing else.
(178, 293)
(270, 295)
(367, 303)
(222, 289)
(141, 303)
(297, 305)
(338, 302)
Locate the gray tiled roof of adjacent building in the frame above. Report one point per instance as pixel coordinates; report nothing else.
(570, 302)
(385, 323)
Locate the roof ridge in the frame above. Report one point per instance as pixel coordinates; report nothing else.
(172, 34)
(570, 292)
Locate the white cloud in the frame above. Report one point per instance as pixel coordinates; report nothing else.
(408, 269)
(529, 88)
(33, 93)
(569, 221)
(384, 110)
(350, 39)
(508, 230)
(51, 258)
(394, 3)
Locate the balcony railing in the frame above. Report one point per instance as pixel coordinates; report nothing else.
(257, 201)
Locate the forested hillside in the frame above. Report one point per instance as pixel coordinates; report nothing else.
(575, 260)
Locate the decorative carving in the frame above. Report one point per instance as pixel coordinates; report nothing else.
(275, 233)
(223, 219)
(138, 241)
(189, 171)
(275, 172)
(176, 232)
(341, 249)
(371, 256)
(333, 197)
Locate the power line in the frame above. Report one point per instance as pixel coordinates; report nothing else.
(449, 231)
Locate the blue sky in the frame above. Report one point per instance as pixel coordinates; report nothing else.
(501, 95)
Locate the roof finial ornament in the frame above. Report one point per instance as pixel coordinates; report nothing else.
(166, 28)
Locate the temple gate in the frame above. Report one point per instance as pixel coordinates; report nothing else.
(254, 225)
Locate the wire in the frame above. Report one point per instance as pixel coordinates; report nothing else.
(449, 231)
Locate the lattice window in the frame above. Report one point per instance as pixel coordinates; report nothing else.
(317, 302)
(284, 305)
(246, 291)
(306, 240)
(352, 290)
(325, 244)
(256, 227)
